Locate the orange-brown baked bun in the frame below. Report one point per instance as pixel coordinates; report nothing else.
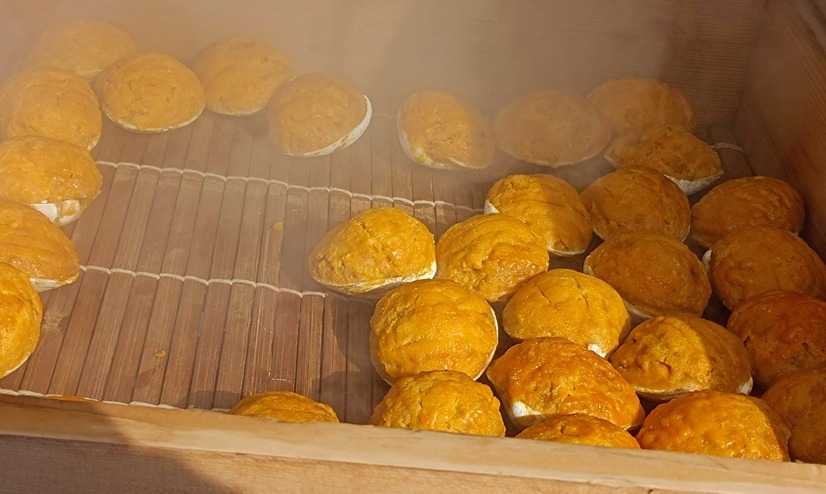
(36, 246)
(150, 92)
(541, 377)
(747, 201)
(634, 105)
(432, 325)
(655, 274)
(83, 47)
(669, 356)
(800, 399)
(317, 114)
(373, 251)
(754, 260)
(240, 75)
(491, 254)
(571, 305)
(578, 428)
(22, 313)
(637, 199)
(671, 150)
(715, 423)
(549, 205)
(57, 178)
(52, 103)
(550, 128)
(439, 130)
(783, 332)
(284, 406)
(440, 400)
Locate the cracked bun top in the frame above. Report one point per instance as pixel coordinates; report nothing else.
(20, 324)
(241, 74)
(150, 92)
(50, 102)
(432, 325)
(491, 254)
(284, 406)
(439, 130)
(440, 400)
(373, 251)
(637, 199)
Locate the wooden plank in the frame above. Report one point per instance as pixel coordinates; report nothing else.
(133, 447)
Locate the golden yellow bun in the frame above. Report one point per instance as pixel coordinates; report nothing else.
(284, 406)
(655, 274)
(637, 199)
(578, 428)
(541, 377)
(550, 128)
(549, 205)
(373, 251)
(22, 313)
(440, 400)
(716, 423)
(747, 201)
(432, 325)
(150, 92)
(36, 246)
(490, 254)
(673, 151)
(783, 332)
(634, 105)
(669, 356)
(800, 400)
(240, 75)
(83, 47)
(754, 260)
(57, 178)
(439, 130)
(50, 102)
(572, 305)
(317, 114)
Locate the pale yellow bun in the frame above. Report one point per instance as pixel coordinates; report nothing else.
(490, 254)
(284, 406)
(634, 105)
(439, 130)
(432, 325)
(540, 377)
(579, 428)
(22, 314)
(549, 205)
(150, 92)
(783, 332)
(800, 399)
(637, 199)
(569, 304)
(669, 356)
(241, 74)
(754, 260)
(52, 103)
(747, 201)
(373, 252)
(317, 114)
(655, 274)
(57, 178)
(36, 246)
(716, 423)
(442, 400)
(550, 128)
(672, 150)
(83, 47)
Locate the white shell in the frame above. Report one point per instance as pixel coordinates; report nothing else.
(42, 284)
(687, 186)
(346, 140)
(374, 290)
(61, 213)
(518, 411)
(491, 209)
(707, 262)
(419, 155)
(134, 128)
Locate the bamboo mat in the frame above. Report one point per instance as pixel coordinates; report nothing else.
(194, 290)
